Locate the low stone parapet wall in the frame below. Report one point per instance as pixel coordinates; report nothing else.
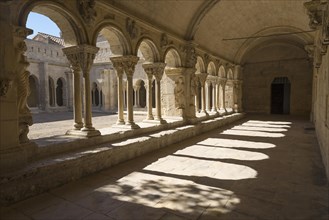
(47, 173)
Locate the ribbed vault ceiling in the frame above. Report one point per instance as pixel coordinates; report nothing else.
(208, 22)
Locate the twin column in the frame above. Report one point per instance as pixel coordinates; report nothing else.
(81, 58)
(125, 64)
(156, 70)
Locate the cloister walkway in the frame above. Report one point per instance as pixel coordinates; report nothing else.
(263, 167)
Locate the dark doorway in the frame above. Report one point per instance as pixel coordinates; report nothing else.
(280, 96)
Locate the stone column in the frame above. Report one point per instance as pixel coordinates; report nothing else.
(158, 73)
(77, 108)
(207, 87)
(135, 95)
(118, 65)
(203, 77)
(83, 55)
(129, 68)
(197, 96)
(217, 95)
(222, 106)
(214, 103)
(149, 72)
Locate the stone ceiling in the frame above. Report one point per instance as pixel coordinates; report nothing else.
(208, 22)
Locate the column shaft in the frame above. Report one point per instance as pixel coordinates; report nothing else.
(77, 108)
(130, 90)
(149, 99)
(88, 114)
(120, 120)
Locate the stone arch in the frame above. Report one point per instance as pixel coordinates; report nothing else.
(119, 45)
(33, 98)
(60, 92)
(172, 58)
(211, 69)
(230, 74)
(72, 27)
(148, 49)
(200, 66)
(51, 92)
(222, 72)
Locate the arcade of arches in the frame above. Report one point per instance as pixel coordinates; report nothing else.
(184, 63)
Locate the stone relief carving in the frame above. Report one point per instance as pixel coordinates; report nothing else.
(179, 93)
(164, 41)
(132, 28)
(25, 118)
(5, 85)
(194, 84)
(190, 56)
(87, 10)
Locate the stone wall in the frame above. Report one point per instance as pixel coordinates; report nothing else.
(321, 109)
(278, 61)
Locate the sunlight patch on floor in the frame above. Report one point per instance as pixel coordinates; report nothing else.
(253, 133)
(257, 128)
(231, 143)
(191, 167)
(218, 153)
(169, 192)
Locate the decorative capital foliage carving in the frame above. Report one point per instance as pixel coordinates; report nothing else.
(125, 64)
(155, 69)
(82, 56)
(87, 10)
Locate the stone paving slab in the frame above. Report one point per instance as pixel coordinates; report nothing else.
(255, 175)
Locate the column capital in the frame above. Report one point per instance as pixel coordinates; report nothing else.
(125, 63)
(155, 69)
(82, 55)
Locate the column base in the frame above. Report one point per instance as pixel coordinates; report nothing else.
(132, 125)
(120, 122)
(222, 111)
(204, 112)
(84, 133)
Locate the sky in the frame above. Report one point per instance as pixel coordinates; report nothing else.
(40, 23)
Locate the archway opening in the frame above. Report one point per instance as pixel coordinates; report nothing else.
(59, 92)
(280, 96)
(142, 95)
(33, 98)
(51, 92)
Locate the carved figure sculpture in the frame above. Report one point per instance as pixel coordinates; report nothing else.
(179, 93)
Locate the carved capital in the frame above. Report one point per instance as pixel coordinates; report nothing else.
(125, 64)
(202, 77)
(81, 55)
(155, 69)
(129, 65)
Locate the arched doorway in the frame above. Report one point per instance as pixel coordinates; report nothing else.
(280, 96)
(51, 92)
(33, 100)
(142, 95)
(59, 93)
